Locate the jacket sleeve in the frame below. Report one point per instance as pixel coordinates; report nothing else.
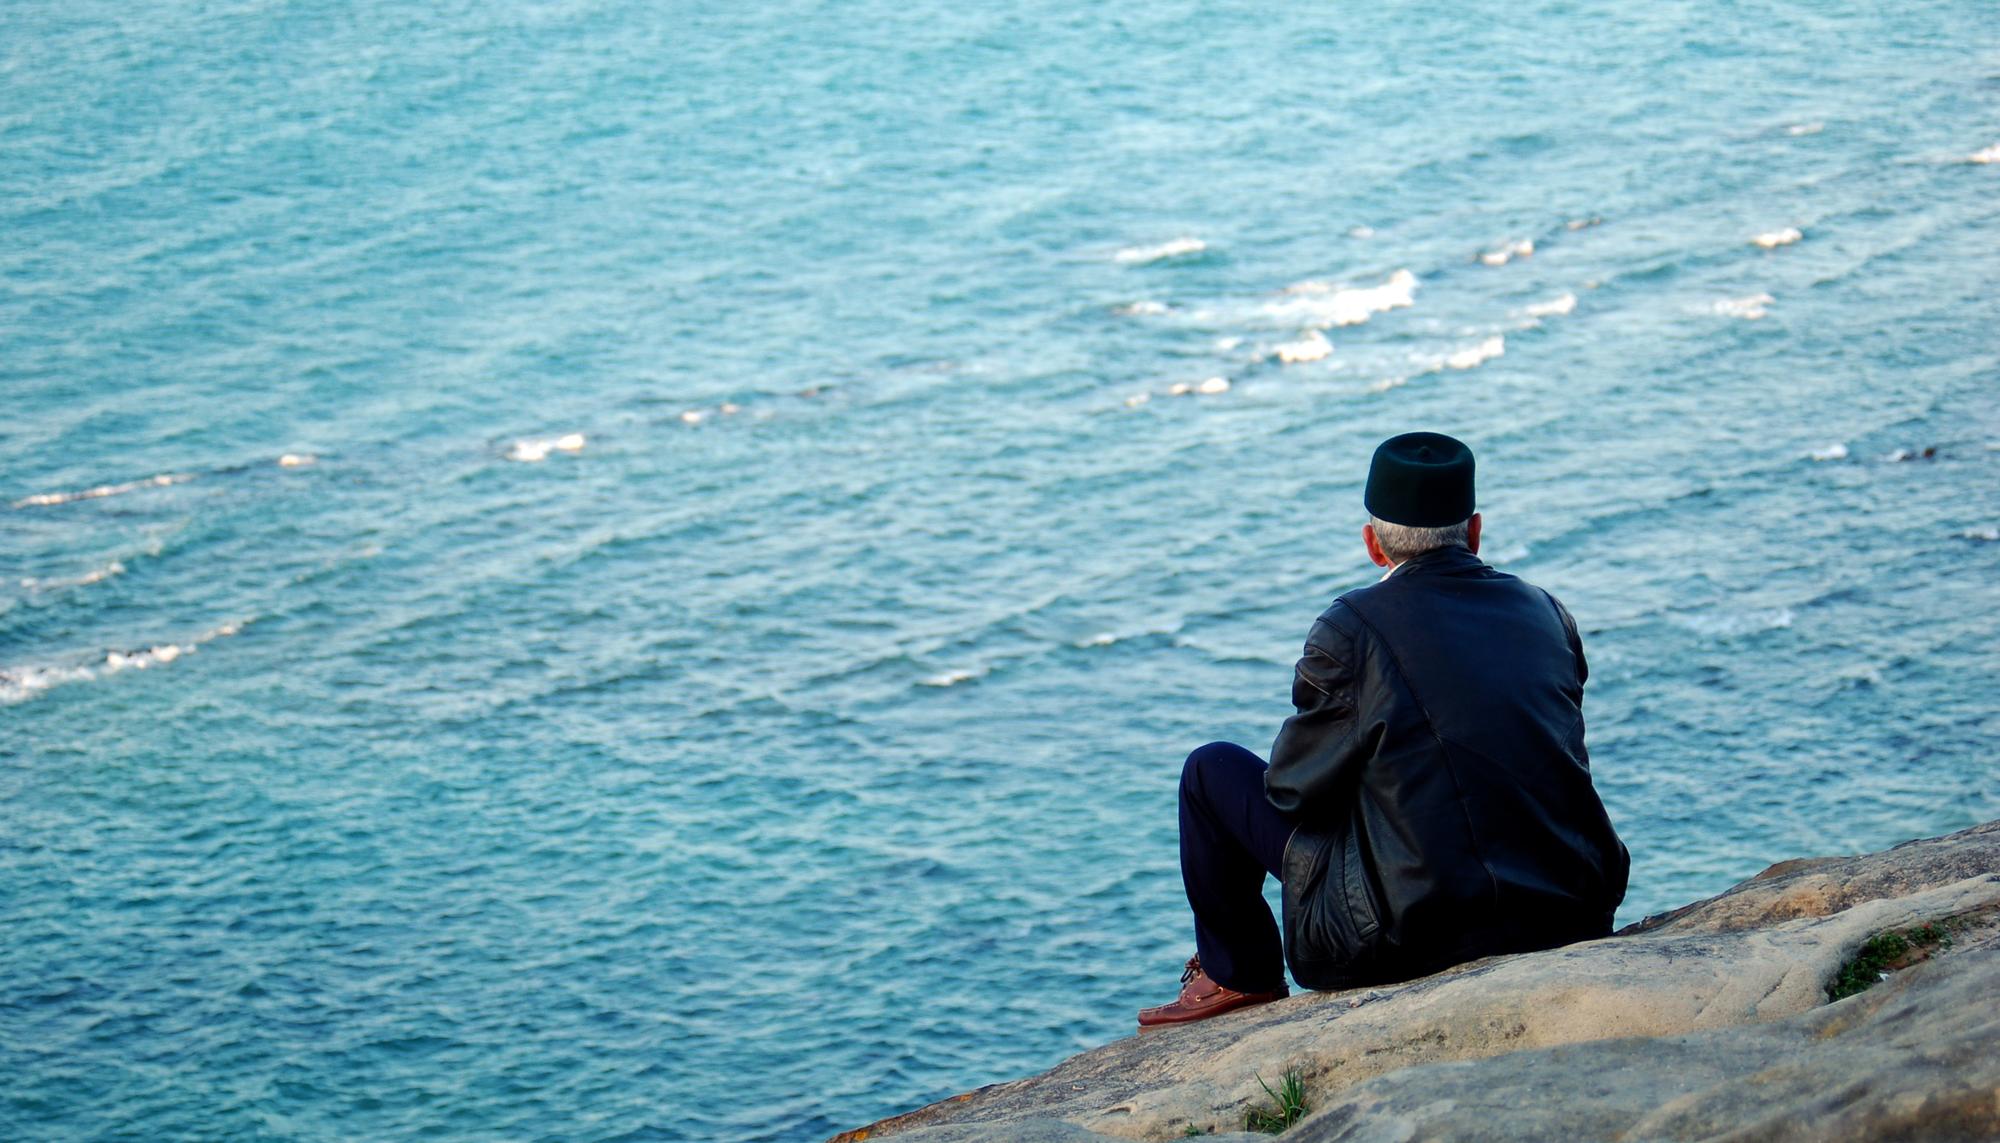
(1575, 640)
(1320, 749)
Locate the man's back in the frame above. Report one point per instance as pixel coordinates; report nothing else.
(1430, 802)
(1438, 770)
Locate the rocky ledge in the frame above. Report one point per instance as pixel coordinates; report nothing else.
(1712, 1020)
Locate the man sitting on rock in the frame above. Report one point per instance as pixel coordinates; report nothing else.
(1430, 802)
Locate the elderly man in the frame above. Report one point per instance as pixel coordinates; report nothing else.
(1430, 802)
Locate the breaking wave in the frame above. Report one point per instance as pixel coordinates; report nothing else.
(535, 450)
(953, 678)
(1732, 624)
(97, 575)
(1554, 307)
(45, 499)
(1477, 355)
(23, 682)
(1174, 248)
(1749, 308)
(1320, 305)
(1312, 347)
(1208, 387)
(1508, 252)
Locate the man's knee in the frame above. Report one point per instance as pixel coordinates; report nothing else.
(1205, 763)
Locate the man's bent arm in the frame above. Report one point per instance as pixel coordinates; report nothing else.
(1575, 639)
(1321, 748)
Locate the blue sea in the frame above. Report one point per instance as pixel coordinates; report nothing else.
(587, 570)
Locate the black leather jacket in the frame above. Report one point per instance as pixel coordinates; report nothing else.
(1437, 768)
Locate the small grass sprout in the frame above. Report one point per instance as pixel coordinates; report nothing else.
(1290, 1099)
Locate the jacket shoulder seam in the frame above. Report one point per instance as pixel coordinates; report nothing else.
(1346, 636)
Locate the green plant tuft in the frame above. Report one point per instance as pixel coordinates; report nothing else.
(1290, 1099)
(1883, 952)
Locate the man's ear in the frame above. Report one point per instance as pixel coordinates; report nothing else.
(1472, 533)
(1374, 545)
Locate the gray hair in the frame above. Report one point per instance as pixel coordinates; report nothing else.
(1401, 542)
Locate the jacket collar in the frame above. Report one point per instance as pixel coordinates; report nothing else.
(1438, 561)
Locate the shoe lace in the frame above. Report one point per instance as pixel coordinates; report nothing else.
(1192, 970)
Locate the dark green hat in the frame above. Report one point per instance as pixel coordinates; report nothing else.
(1420, 480)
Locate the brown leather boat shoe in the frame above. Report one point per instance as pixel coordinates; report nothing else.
(1201, 998)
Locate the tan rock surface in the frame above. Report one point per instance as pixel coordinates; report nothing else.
(1711, 1020)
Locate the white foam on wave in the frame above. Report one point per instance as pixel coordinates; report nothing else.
(1312, 347)
(1989, 534)
(146, 657)
(1834, 451)
(1361, 232)
(1985, 155)
(953, 678)
(1749, 308)
(1142, 309)
(530, 450)
(1173, 248)
(1471, 357)
(297, 460)
(1320, 305)
(1477, 355)
(1772, 239)
(18, 683)
(1554, 307)
(44, 499)
(1798, 129)
(97, 575)
(1112, 638)
(1730, 624)
(1522, 248)
(1208, 387)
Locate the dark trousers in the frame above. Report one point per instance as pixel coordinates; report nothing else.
(1230, 838)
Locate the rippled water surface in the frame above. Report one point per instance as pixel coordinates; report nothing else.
(606, 571)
